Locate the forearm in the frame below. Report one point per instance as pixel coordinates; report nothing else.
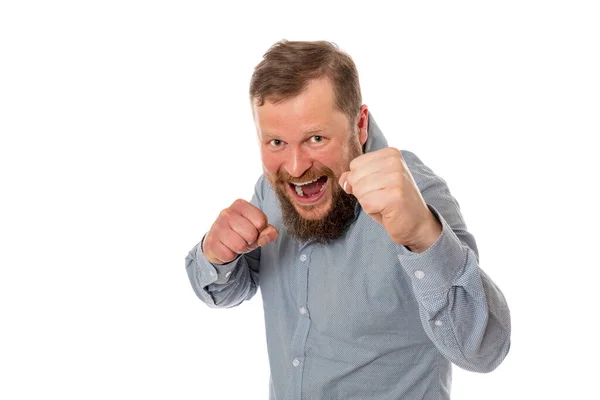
(462, 310)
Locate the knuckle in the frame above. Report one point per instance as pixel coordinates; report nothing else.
(225, 214)
(393, 151)
(261, 221)
(239, 203)
(355, 181)
(351, 178)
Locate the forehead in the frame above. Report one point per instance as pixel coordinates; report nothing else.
(313, 108)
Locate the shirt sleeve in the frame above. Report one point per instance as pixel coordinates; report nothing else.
(226, 285)
(462, 311)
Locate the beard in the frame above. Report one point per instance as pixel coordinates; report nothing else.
(338, 218)
(325, 230)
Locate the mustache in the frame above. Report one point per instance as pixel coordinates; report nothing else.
(308, 175)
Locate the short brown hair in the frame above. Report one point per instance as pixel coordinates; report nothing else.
(287, 67)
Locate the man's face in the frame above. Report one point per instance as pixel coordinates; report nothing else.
(306, 144)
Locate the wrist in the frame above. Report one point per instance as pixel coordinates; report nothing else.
(427, 235)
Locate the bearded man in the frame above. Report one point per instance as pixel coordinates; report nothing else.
(370, 281)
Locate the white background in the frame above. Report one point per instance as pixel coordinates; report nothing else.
(125, 129)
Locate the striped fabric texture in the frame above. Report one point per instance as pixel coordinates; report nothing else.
(365, 318)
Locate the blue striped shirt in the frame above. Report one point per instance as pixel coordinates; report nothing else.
(365, 318)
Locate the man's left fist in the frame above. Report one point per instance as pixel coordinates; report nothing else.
(386, 190)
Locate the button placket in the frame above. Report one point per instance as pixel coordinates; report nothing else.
(298, 348)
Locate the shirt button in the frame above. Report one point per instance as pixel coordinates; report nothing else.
(303, 257)
(438, 323)
(295, 363)
(419, 274)
(228, 274)
(302, 310)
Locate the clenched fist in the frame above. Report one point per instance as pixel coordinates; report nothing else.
(386, 190)
(240, 228)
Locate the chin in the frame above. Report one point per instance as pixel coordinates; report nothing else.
(313, 212)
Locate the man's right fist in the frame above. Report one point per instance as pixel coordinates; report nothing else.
(240, 228)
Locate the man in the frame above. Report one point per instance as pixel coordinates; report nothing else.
(370, 281)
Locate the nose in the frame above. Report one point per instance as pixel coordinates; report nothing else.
(298, 163)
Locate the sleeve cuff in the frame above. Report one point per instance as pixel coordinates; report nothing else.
(433, 271)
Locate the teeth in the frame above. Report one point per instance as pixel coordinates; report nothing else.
(304, 183)
(298, 186)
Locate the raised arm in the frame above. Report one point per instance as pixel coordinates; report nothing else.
(224, 267)
(462, 310)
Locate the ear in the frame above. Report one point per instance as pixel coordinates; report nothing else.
(363, 124)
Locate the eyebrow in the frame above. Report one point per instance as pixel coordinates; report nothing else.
(309, 132)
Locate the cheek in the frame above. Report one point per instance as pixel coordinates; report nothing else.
(337, 164)
(270, 163)
(336, 157)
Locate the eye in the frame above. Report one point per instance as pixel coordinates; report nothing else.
(275, 142)
(316, 139)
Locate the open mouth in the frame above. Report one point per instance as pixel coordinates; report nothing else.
(309, 191)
